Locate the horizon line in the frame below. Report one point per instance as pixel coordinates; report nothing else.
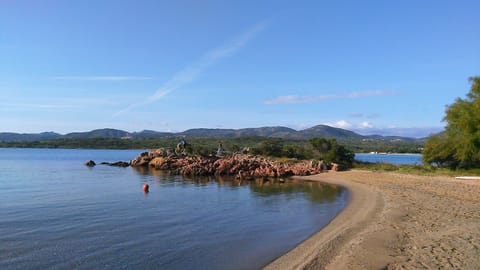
(355, 130)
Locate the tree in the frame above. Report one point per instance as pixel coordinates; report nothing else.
(296, 151)
(459, 145)
(202, 151)
(440, 150)
(323, 146)
(330, 151)
(271, 147)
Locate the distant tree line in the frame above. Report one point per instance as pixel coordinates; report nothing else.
(327, 150)
(293, 148)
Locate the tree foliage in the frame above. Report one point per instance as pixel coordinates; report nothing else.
(459, 145)
(269, 147)
(330, 151)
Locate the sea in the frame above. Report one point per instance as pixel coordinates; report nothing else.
(396, 159)
(57, 213)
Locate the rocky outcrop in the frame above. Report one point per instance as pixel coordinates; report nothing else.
(116, 164)
(238, 165)
(144, 158)
(90, 163)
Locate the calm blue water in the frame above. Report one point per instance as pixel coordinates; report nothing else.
(396, 159)
(56, 213)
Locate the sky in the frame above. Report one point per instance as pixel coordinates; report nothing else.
(374, 67)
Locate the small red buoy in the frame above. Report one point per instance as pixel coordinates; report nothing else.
(145, 188)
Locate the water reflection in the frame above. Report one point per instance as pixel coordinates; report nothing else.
(313, 191)
(51, 219)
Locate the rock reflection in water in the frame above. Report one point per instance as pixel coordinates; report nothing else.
(313, 191)
(51, 219)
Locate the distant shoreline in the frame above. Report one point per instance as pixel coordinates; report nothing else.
(396, 154)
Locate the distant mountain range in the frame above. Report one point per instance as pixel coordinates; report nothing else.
(273, 132)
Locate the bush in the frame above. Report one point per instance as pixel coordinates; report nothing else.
(269, 147)
(202, 151)
(330, 151)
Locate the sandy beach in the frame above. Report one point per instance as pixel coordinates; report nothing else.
(395, 221)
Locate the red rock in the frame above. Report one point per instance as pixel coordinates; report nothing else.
(238, 165)
(158, 162)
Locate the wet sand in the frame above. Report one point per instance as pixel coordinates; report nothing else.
(395, 221)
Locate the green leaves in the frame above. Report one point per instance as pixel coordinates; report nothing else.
(330, 151)
(459, 145)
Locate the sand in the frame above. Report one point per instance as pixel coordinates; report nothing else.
(395, 221)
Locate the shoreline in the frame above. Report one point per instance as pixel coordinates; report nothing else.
(317, 251)
(392, 154)
(395, 221)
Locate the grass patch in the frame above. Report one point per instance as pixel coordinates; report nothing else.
(414, 169)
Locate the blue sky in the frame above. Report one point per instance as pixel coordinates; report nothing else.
(385, 67)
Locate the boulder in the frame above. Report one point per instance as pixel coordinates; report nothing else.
(90, 163)
(120, 164)
(158, 162)
(335, 167)
(116, 164)
(141, 160)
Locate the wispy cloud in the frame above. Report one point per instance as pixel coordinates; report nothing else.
(341, 124)
(351, 126)
(364, 115)
(194, 70)
(296, 99)
(57, 104)
(373, 115)
(413, 132)
(101, 78)
(356, 115)
(367, 128)
(38, 107)
(365, 124)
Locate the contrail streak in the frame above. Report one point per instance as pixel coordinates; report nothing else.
(194, 70)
